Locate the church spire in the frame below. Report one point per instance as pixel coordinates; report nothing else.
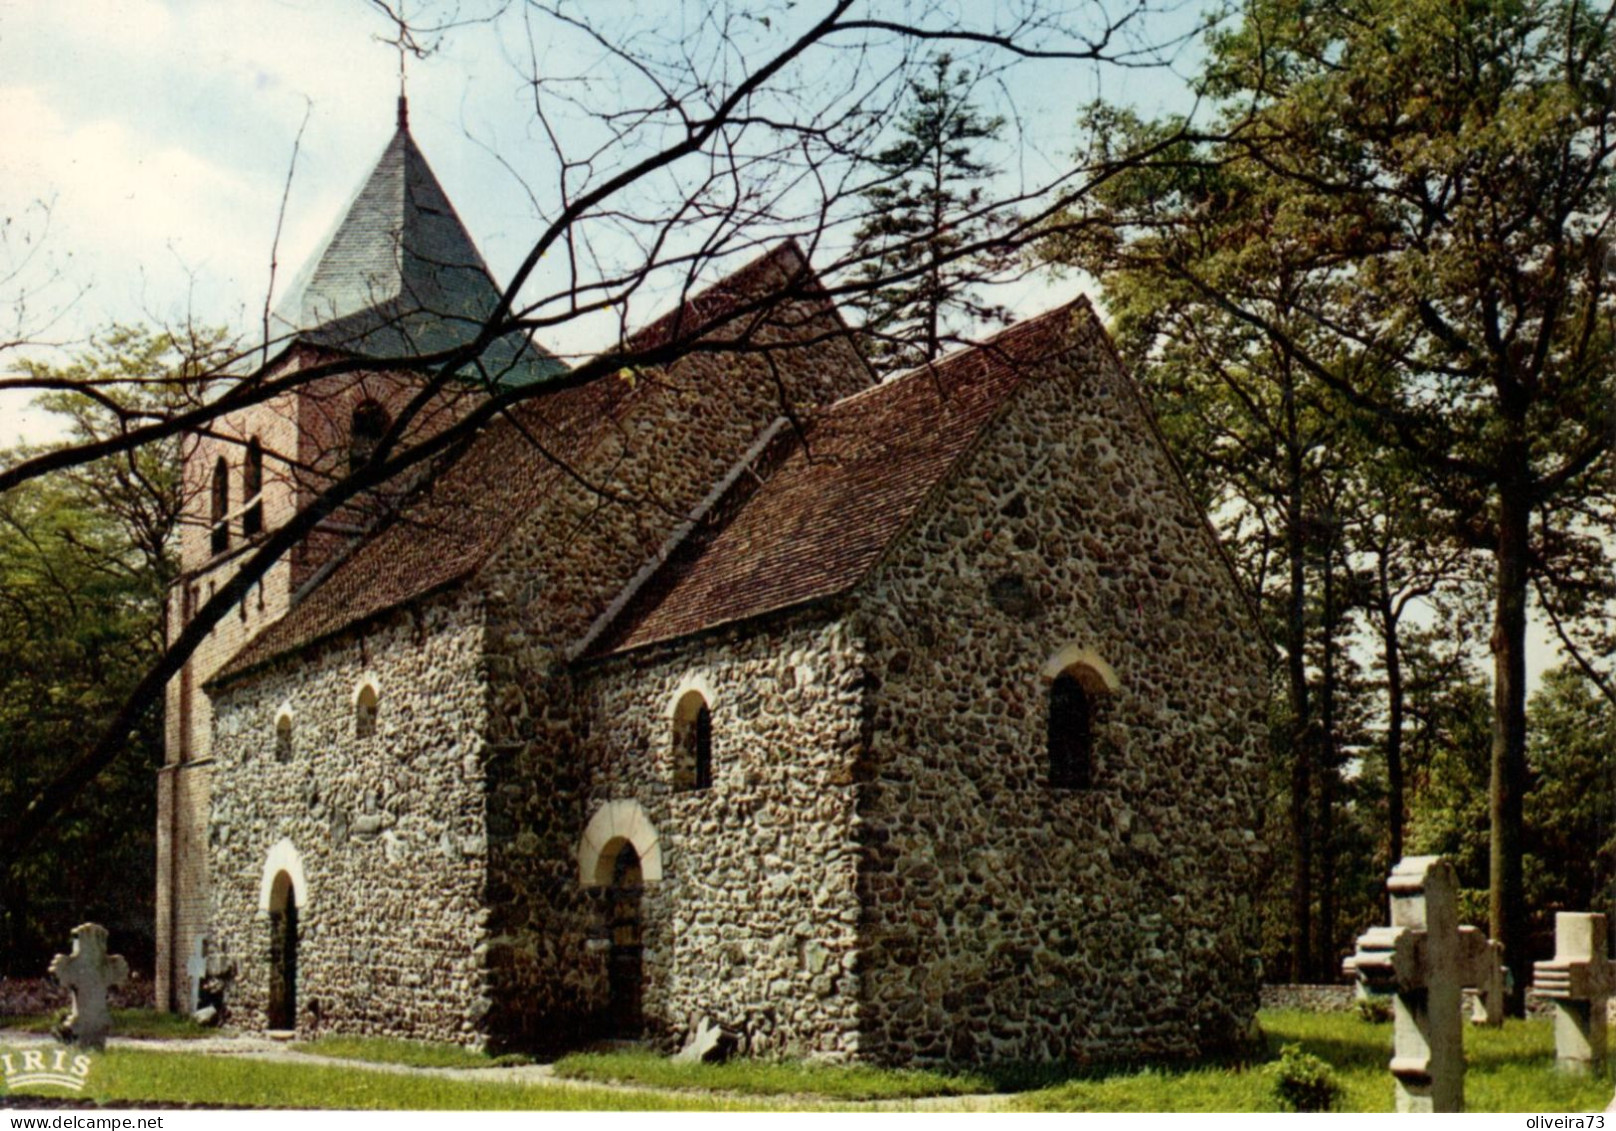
(399, 275)
(403, 43)
(403, 76)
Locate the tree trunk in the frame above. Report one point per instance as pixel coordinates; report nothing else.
(1329, 771)
(1296, 668)
(1394, 730)
(1506, 888)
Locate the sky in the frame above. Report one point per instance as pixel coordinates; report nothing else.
(159, 134)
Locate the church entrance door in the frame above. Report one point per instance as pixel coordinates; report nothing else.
(283, 955)
(625, 973)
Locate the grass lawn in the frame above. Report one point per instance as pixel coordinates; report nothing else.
(769, 1077)
(1509, 1070)
(416, 1054)
(142, 1023)
(132, 1075)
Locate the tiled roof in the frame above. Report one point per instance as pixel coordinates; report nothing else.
(447, 531)
(399, 277)
(451, 527)
(838, 496)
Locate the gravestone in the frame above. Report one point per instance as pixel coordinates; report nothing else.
(1484, 960)
(89, 973)
(196, 968)
(1579, 980)
(1424, 959)
(708, 1044)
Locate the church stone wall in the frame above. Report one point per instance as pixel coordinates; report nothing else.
(557, 571)
(754, 924)
(1006, 919)
(389, 827)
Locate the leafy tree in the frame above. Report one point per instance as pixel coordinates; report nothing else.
(930, 203)
(1571, 806)
(1445, 174)
(85, 559)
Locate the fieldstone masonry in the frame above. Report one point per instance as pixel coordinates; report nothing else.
(89, 972)
(1425, 958)
(1580, 980)
(449, 799)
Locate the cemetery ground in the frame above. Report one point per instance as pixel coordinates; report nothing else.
(1509, 1070)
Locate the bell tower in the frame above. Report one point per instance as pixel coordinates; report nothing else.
(398, 279)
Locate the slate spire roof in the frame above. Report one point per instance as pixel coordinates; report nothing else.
(399, 276)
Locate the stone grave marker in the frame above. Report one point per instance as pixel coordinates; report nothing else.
(708, 1044)
(89, 972)
(1484, 961)
(1579, 980)
(196, 968)
(1425, 959)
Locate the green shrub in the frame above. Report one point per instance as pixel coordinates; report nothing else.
(1375, 1008)
(1303, 1082)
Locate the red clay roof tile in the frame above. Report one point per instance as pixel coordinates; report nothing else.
(839, 497)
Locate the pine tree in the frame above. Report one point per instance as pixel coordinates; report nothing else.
(928, 204)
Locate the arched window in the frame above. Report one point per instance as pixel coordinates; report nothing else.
(692, 742)
(1071, 733)
(366, 702)
(283, 735)
(220, 534)
(370, 424)
(252, 486)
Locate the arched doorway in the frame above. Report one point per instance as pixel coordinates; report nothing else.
(283, 953)
(625, 973)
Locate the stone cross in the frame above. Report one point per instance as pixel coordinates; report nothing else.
(89, 972)
(1579, 980)
(1484, 961)
(1425, 958)
(196, 968)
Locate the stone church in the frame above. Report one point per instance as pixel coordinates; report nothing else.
(920, 724)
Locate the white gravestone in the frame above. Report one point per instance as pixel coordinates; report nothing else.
(196, 968)
(1425, 959)
(1579, 981)
(89, 972)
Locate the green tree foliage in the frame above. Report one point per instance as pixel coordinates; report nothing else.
(84, 562)
(929, 202)
(1410, 202)
(1571, 807)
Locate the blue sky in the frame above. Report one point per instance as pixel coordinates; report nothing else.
(160, 131)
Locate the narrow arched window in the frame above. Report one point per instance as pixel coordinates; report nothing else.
(220, 508)
(704, 747)
(370, 424)
(1071, 733)
(366, 708)
(252, 488)
(692, 743)
(283, 737)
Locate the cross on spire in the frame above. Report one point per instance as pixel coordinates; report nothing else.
(403, 71)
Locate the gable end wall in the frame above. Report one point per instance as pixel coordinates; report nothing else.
(1005, 919)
